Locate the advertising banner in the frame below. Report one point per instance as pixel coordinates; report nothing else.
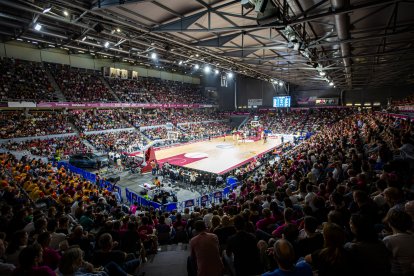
(118, 105)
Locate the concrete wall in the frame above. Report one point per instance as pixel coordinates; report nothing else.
(377, 95)
(26, 51)
(225, 98)
(250, 88)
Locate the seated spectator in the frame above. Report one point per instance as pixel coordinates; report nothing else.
(368, 253)
(285, 257)
(29, 259)
(106, 255)
(72, 263)
(6, 268)
(332, 259)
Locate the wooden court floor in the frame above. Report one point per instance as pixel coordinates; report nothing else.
(216, 156)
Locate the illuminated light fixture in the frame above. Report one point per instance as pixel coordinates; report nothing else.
(322, 73)
(180, 62)
(118, 30)
(230, 74)
(106, 44)
(38, 27)
(196, 66)
(197, 55)
(84, 38)
(331, 83)
(280, 83)
(47, 9)
(216, 71)
(154, 56)
(65, 13)
(207, 69)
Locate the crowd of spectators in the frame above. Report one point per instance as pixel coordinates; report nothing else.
(118, 142)
(81, 85)
(24, 80)
(17, 124)
(91, 120)
(204, 130)
(409, 100)
(130, 90)
(157, 133)
(165, 91)
(338, 204)
(145, 117)
(54, 148)
(194, 115)
(74, 235)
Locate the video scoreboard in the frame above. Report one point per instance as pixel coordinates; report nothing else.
(281, 101)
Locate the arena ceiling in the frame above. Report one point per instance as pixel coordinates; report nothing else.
(355, 44)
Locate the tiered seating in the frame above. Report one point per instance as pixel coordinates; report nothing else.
(409, 100)
(164, 91)
(123, 141)
(156, 133)
(61, 148)
(145, 117)
(194, 115)
(15, 124)
(24, 80)
(130, 90)
(339, 192)
(203, 130)
(81, 85)
(86, 120)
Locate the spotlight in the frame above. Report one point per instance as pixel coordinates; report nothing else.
(180, 62)
(65, 13)
(38, 27)
(216, 71)
(280, 83)
(331, 83)
(322, 73)
(207, 69)
(230, 74)
(154, 56)
(47, 9)
(196, 66)
(106, 44)
(118, 30)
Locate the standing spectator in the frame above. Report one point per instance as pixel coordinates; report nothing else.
(153, 167)
(205, 256)
(242, 254)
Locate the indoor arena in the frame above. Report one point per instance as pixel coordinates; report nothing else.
(206, 137)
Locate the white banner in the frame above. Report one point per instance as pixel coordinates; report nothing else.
(254, 102)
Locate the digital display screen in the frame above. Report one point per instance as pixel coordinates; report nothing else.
(281, 101)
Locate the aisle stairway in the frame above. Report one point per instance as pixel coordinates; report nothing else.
(109, 88)
(58, 92)
(171, 260)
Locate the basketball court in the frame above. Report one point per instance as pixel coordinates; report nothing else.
(215, 156)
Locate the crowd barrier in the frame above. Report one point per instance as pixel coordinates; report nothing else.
(206, 199)
(92, 178)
